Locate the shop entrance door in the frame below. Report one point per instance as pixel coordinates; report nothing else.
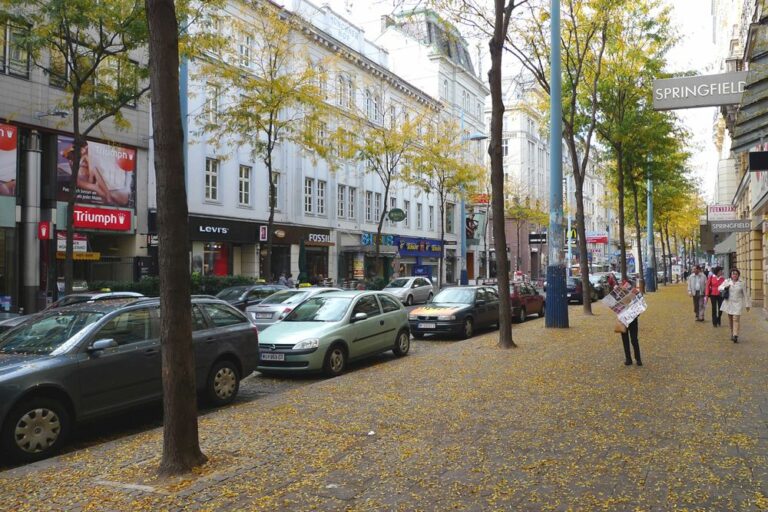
(470, 265)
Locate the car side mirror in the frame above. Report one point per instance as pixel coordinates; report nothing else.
(359, 316)
(103, 344)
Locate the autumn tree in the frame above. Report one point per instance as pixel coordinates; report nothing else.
(439, 167)
(92, 51)
(264, 91)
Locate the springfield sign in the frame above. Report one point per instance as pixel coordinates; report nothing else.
(699, 91)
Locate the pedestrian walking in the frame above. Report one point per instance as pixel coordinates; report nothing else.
(697, 284)
(289, 282)
(736, 300)
(631, 333)
(282, 279)
(713, 295)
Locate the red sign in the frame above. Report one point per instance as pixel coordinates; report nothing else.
(102, 218)
(597, 239)
(480, 199)
(44, 230)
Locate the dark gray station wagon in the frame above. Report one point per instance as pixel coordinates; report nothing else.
(90, 360)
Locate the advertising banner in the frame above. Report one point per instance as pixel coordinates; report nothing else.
(420, 247)
(721, 212)
(9, 136)
(370, 239)
(79, 242)
(106, 177)
(596, 237)
(102, 218)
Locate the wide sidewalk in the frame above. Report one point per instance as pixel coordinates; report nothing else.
(557, 424)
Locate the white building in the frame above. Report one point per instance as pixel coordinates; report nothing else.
(331, 214)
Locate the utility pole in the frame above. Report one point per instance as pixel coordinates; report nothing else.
(556, 305)
(650, 263)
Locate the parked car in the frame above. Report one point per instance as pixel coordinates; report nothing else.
(248, 295)
(600, 284)
(458, 311)
(69, 300)
(575, 291)
(328, 330)
(525, 300)
(276, 306)
(94, 359)
(411, 290)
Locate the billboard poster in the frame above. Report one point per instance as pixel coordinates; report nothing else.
(9, 136)
(106, 177)
(420, 247)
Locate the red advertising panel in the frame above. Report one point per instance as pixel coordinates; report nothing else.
(597, 238)
(106, 176)
(102, 218)
(9, 137)
(44, 230)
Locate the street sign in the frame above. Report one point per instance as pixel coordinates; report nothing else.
(699, 91)
(758, 161)
(450, 242)
(396, 215)
(730, 226)
(537, 238)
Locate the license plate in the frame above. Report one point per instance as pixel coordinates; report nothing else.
(263, 315)
(273, 357)
(427, 326)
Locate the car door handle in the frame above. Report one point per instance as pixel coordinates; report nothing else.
(381, 322)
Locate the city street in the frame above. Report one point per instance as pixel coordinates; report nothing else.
(557, 424)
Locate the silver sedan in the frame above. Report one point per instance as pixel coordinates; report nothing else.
(411, 290)
(275, 307)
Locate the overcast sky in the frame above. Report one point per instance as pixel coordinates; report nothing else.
(693, 53)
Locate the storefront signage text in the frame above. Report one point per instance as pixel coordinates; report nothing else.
(725, 226)
(597, 238)
(102, 218)
(319, 237)
(699, 91)
(420, 247)
(213, 229)
(370, 239)
(717, 212)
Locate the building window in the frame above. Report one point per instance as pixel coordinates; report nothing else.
(15, 55)
(419, 214)
(212, 104)
(504, 147)
(352, 202)
(449, 214)
(445, 89)
(244, 186)
(309, 184)
(322, 81)
(211, 179)
(244, 49)
(276, 184)
(345, 91)
(407, 208)
(377, 207)
(321, 133)
(368, 206)
(321, 197)
(431, 218)
(341, 207)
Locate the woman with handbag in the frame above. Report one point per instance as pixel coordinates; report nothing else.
(736, 300)
(714, 281)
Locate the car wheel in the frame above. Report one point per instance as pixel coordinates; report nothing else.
(418, 335)
(521, 315)
(429, 297)
(543, 309)
(469, 328)
(35, 430)
(409, 300)
(223, 383)
(402, 343)
(335, 361)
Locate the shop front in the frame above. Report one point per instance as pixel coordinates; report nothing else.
(221, 247)
(302, 251)
(419, 256)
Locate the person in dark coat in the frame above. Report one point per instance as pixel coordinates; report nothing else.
(631, 334)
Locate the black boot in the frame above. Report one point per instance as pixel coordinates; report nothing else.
(735, 339)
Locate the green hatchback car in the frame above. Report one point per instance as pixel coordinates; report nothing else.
(327, 331)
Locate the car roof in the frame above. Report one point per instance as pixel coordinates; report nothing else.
(354, 293)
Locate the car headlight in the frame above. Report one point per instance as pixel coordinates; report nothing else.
(413, 317)
(306, 344)
(446, 317)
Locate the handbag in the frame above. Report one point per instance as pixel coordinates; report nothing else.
(619, 327)
(726, 292)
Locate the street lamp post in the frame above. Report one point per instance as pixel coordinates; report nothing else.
(650, 263)
(556, 305)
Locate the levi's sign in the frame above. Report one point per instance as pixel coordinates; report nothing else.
(699, 91)
(213, 229)
(102, 218)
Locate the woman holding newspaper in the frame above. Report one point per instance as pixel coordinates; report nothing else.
(625, 300)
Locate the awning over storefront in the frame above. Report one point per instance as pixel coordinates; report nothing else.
(727, 246)
(752, 118)
(384, 250)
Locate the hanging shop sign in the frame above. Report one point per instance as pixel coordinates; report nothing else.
(106, 177)
(396, 215)
(209, 229)
(44, 230)
(730, 226)
(597, 238)
(422, 247)
(718, 212)
(102, 218)
(370, 239)
(79, 242)
(537, 238)
(699, 91)
(9, 136)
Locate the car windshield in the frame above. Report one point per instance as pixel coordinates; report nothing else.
(44, 335)
(398, 283)
(320, 309)
(455, 296)
(286, 297)
(233, 293)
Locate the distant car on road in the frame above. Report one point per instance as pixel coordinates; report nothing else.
(525, 300)
(248, 295)
(411, 290)
(575, 292)
(94, 359)
(458, 311)
(328, 330)
(275, 307)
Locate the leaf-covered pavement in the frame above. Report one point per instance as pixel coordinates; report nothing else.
(557, 424)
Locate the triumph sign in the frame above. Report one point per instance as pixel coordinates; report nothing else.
(699, 91)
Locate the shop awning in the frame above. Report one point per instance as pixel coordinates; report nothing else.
(751, 125)
(727, 246)
(384, 250)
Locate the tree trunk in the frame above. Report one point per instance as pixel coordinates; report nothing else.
(622, 220)
(669, 248)
(652, 256)
(586, 286)
(496, 44)
(638, 238)
(181, 445)
(441, 261)
(663, 252)
(382, 216)
(76, 158)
